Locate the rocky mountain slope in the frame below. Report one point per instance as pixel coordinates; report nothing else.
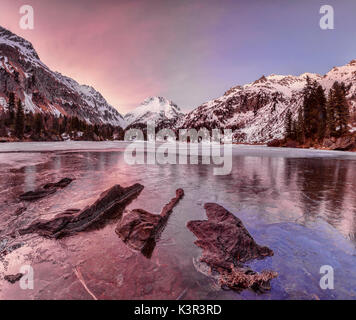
(256, 111)
(159, 110)
(42, 90)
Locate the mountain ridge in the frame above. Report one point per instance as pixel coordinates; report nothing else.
(256, 111)
(44, 90)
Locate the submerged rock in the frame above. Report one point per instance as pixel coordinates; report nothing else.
(227, 245)
(140, 229)
(13, 278)
(60, 184)
(72, 221)
(46, 190)
(35, 195)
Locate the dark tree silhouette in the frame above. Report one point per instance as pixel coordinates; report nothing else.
(20, 120)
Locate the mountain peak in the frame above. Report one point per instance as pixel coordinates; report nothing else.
(12, 40)
(154, 101)
(155, 108)
(262, 79)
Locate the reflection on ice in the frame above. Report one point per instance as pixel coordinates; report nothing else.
(301, 203)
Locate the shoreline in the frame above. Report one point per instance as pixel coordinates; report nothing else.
(118, 145)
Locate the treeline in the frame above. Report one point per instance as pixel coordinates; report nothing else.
(321, 116)
(15, 124)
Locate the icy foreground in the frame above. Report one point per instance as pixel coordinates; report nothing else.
(301, 204)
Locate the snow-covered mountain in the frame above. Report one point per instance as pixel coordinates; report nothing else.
(256, 111)
(154, 109)
(42, 90)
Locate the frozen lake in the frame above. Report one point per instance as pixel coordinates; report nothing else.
(300, 203)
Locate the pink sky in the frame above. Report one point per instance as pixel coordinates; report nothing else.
(127, 50)
(189, 51)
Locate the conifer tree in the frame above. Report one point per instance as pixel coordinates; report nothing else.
(294, 130)
(88, 133)
(338, 114)
(29, 122)
(331, 113)
(300, 130)
(96, 129)
(314, 110)
(320, 100)
(20, 120)
(63, 125)
(3, 131)
(342, 109)
(309, 107)
(11, 105)
(38, 125)
(288, 124)
(55, 125)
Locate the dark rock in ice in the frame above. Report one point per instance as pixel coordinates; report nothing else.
(13, 278)
(60, 184)
(70, 211)
(73, 220)
(35, 195)
(140, 229)
(225, 239)
(46, 190)
(227, 245)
